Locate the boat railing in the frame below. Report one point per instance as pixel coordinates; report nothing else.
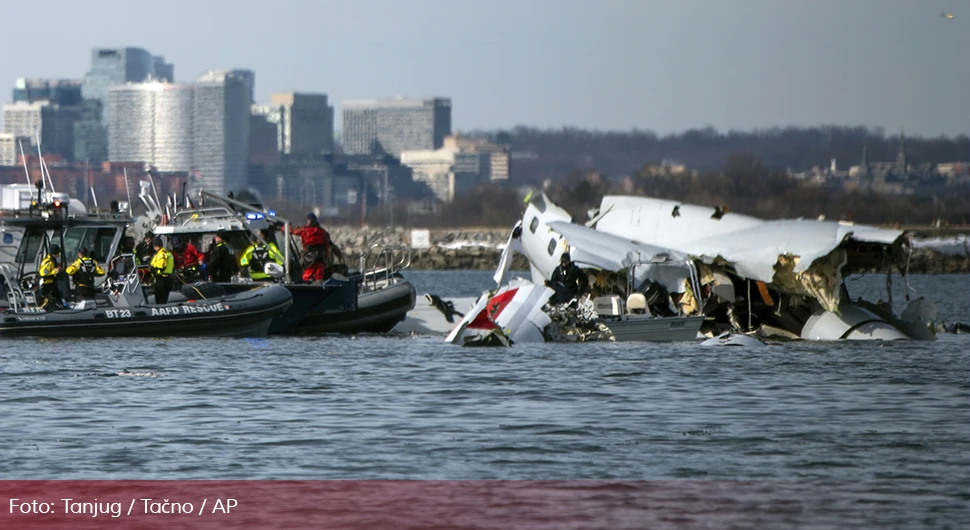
(203, 216)
(19, 300)
(126, 283)
(381, 263)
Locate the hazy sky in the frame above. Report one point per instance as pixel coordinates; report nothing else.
(663, 65)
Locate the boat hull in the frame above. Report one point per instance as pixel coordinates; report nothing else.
(650, 329)
(332, 296)
(246, 314)
(377, 312)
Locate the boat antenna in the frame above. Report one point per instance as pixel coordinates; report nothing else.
(43, 166)
(128, 192)
(95, 197)
(40, 162)
(23, 158)
(154, 191)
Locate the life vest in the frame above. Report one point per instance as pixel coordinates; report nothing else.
(84, 271)
(163, 263)
(259, 258)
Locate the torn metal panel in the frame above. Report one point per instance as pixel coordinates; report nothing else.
(756, 249)
(514, 310)
(590, 248)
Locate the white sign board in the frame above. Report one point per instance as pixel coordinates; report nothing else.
(421, 238)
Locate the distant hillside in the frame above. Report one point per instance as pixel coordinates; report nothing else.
(551, 154)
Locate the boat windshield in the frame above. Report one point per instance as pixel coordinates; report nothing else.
(30, 245)
(97, 239)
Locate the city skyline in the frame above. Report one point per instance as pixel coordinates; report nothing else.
(614, 65)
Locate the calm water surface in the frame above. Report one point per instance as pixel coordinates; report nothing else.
(887, 422)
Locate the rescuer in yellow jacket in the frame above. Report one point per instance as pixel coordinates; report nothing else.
(257, 256)
(50, 267)
(163, 264)
(84, 269)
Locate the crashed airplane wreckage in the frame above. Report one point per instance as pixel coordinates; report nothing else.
(662, 263)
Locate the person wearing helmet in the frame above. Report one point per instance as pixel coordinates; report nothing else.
(163, 264)
(221, 264)
(145, 251)
(83, 270)
(568, 280)
(50, 267)
(257, 255)
(187, 258)
(124, 260)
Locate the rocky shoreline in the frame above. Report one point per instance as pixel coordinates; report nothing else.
(480, 249)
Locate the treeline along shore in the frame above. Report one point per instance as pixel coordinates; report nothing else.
(480, 248)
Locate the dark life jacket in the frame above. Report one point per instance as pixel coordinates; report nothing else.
(259, 259)
(85, 272)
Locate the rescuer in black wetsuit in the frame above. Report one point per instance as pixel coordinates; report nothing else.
(568, 280)
(145, 251)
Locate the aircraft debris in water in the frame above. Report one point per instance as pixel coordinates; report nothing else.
(656, 266)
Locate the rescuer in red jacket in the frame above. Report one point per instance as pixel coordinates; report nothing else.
(187, 259)
(316, 244)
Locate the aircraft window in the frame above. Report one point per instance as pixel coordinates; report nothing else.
(552, 246)
(534, 224)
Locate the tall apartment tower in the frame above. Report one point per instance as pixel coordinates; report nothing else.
(395, 125)
(111, 67)
(151, 122)
(52, 123)
(8, 149)
(222, 106)
(305, 123)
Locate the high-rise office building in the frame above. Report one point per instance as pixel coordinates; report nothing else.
(63, 92)
(163, 71)
(25, 119)
(395, 125)
(264, 135)
(305, 123)
(151, 122)
(116, 66)
(111, 67)
(90, 133)
(52, 124)
(59, 103)
(222, 107)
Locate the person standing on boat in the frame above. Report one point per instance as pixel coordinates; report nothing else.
(316, 243)
(124, 261)
(84, 269)
(163, 264)
(221, 264)
(50, 267)
(257, 255)
(187, 258)
(568, 280)
(145, 251)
